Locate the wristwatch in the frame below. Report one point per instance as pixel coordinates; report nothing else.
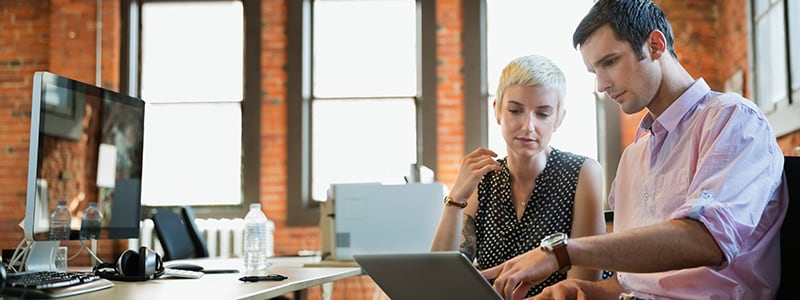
(448, 201)
(557, 243)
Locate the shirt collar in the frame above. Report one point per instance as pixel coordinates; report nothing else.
(670, 118)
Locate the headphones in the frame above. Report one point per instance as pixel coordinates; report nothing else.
(132, 266)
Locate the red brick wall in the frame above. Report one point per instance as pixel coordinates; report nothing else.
(273, 124)
(24, 47)
(57, 36)
(450, 90)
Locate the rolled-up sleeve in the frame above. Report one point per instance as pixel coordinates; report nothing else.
(735, 178)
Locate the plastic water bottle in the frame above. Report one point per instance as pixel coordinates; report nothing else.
(91, 223)
(270, 238)
(60, 220)
(255, 241)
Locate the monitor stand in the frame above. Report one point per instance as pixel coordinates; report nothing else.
(42, 256)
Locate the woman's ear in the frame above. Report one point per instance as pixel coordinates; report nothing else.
(561, 113)
(496, 113)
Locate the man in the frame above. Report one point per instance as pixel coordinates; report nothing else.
(698, 198)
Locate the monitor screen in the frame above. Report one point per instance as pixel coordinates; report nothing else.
(86, 154)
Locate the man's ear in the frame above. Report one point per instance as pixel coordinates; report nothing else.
(656, 44)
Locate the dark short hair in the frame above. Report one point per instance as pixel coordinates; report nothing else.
(631, 21)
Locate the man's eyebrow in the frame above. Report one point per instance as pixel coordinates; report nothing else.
(604, 58)
(599, 62)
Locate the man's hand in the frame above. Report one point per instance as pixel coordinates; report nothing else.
(581, 290)
(513, 278)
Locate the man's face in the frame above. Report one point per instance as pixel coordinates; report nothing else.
(630, 82)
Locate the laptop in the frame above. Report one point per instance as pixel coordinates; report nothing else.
(428, 275)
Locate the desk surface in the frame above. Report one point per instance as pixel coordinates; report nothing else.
(228, 286)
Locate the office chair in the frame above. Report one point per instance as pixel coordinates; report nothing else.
(200, 247)
(175, 235)
(791, 223)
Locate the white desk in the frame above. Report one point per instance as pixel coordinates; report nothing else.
(228, 286)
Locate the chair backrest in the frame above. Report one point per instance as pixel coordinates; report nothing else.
(200, 247)
(790, 227)
(173, 234)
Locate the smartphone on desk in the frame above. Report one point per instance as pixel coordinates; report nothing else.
(199, 268)
(220, 271)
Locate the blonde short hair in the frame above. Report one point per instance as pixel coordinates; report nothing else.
(532, 70)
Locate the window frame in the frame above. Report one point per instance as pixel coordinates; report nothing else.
(475, 75)
(783, 114)
(130, 79)
(302, 210)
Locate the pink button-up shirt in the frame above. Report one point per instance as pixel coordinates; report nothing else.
(714, 158)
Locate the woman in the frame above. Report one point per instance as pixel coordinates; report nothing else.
(504, 207)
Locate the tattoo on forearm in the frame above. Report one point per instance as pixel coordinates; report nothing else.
(468, 238)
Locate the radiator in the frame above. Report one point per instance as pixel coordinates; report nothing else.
(224, 237)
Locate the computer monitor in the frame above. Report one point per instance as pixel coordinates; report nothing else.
(85, 146)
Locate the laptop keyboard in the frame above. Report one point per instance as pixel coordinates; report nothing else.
(52, 284)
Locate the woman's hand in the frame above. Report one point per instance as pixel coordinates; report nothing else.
(473, 167)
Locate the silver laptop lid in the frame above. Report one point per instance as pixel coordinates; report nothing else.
(428, 275)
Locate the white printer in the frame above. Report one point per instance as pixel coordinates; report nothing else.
(378, 218)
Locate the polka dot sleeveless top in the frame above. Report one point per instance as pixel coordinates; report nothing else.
(500, 236)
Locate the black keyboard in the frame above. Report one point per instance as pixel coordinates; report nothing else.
(51, 284)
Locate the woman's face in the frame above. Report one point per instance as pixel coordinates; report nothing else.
(528, 117)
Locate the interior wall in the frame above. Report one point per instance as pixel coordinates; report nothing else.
(60, 37)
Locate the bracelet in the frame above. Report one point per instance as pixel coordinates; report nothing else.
(448, 201)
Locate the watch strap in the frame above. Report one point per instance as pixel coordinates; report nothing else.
(562, 256)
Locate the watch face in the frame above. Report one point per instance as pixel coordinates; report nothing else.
(553, 240)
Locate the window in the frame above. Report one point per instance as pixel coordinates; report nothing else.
(516, 28)
(776, 61)
(191, 76)
(357, 97)
(364, 87)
